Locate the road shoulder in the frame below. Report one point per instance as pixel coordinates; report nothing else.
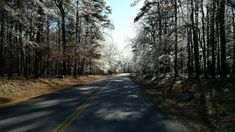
(193, 125)
(17, 90)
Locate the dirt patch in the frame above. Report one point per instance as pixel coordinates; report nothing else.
(13, 91)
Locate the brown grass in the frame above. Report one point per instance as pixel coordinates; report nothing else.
(13, 91)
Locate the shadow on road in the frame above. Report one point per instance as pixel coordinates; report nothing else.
(121, 106)
(47, 111)
(124, 107)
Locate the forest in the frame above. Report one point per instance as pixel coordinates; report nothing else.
(52, 37)
(193, 38)
(184, 54)
(179, 74)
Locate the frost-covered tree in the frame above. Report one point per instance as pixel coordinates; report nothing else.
(110, 58)
(187, 37)
(51, 37)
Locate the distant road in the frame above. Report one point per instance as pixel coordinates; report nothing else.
(112, 105)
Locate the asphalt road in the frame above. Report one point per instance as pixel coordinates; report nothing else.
(112, 105)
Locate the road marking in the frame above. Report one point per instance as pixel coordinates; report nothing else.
(62, 126)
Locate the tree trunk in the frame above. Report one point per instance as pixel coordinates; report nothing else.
(204, 40)
(233, 43)
(189, 43)
(2, 20)
(48, 46)
(224, 66)
(212, 40)
(63, 41)
(38, 54)
(195, 42)
(176, 41)
(10, 60)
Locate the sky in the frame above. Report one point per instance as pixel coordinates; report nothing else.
(123, 19)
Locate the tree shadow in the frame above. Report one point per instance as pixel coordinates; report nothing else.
(125, 108)
(202, 107)
(46, 112)
(121, 106)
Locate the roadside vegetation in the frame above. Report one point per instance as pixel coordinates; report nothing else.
(205, 105)
(184, 55)
(50, 45)
(19, 89)
(42, 38)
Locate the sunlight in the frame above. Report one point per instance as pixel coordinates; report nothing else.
(117, 65)
(114, 114)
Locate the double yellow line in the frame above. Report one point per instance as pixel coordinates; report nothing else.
(62, 126)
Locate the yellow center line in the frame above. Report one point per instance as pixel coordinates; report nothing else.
(62, 126)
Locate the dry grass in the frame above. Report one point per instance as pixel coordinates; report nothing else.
(13, 91)
(212, 108)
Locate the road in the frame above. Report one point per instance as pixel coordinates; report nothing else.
(113, 105)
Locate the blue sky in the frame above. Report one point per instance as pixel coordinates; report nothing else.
(123, 17)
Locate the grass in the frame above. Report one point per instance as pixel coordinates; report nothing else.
(211, 109)
(16, 90)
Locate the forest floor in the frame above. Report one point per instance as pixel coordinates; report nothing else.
(18, 89)
(211, 107)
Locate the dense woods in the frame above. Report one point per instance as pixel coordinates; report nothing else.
(193, 38)
(184, 54)
(51, 37)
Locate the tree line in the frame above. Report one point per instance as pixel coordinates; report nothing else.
(51, 37)
(193, 38)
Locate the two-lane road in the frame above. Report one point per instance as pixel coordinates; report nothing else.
(112, 105)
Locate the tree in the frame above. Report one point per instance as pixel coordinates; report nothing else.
(222, 38)
(39, 40)
(51, 37)
(200, 47)
(176, 39)
(61, 4)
